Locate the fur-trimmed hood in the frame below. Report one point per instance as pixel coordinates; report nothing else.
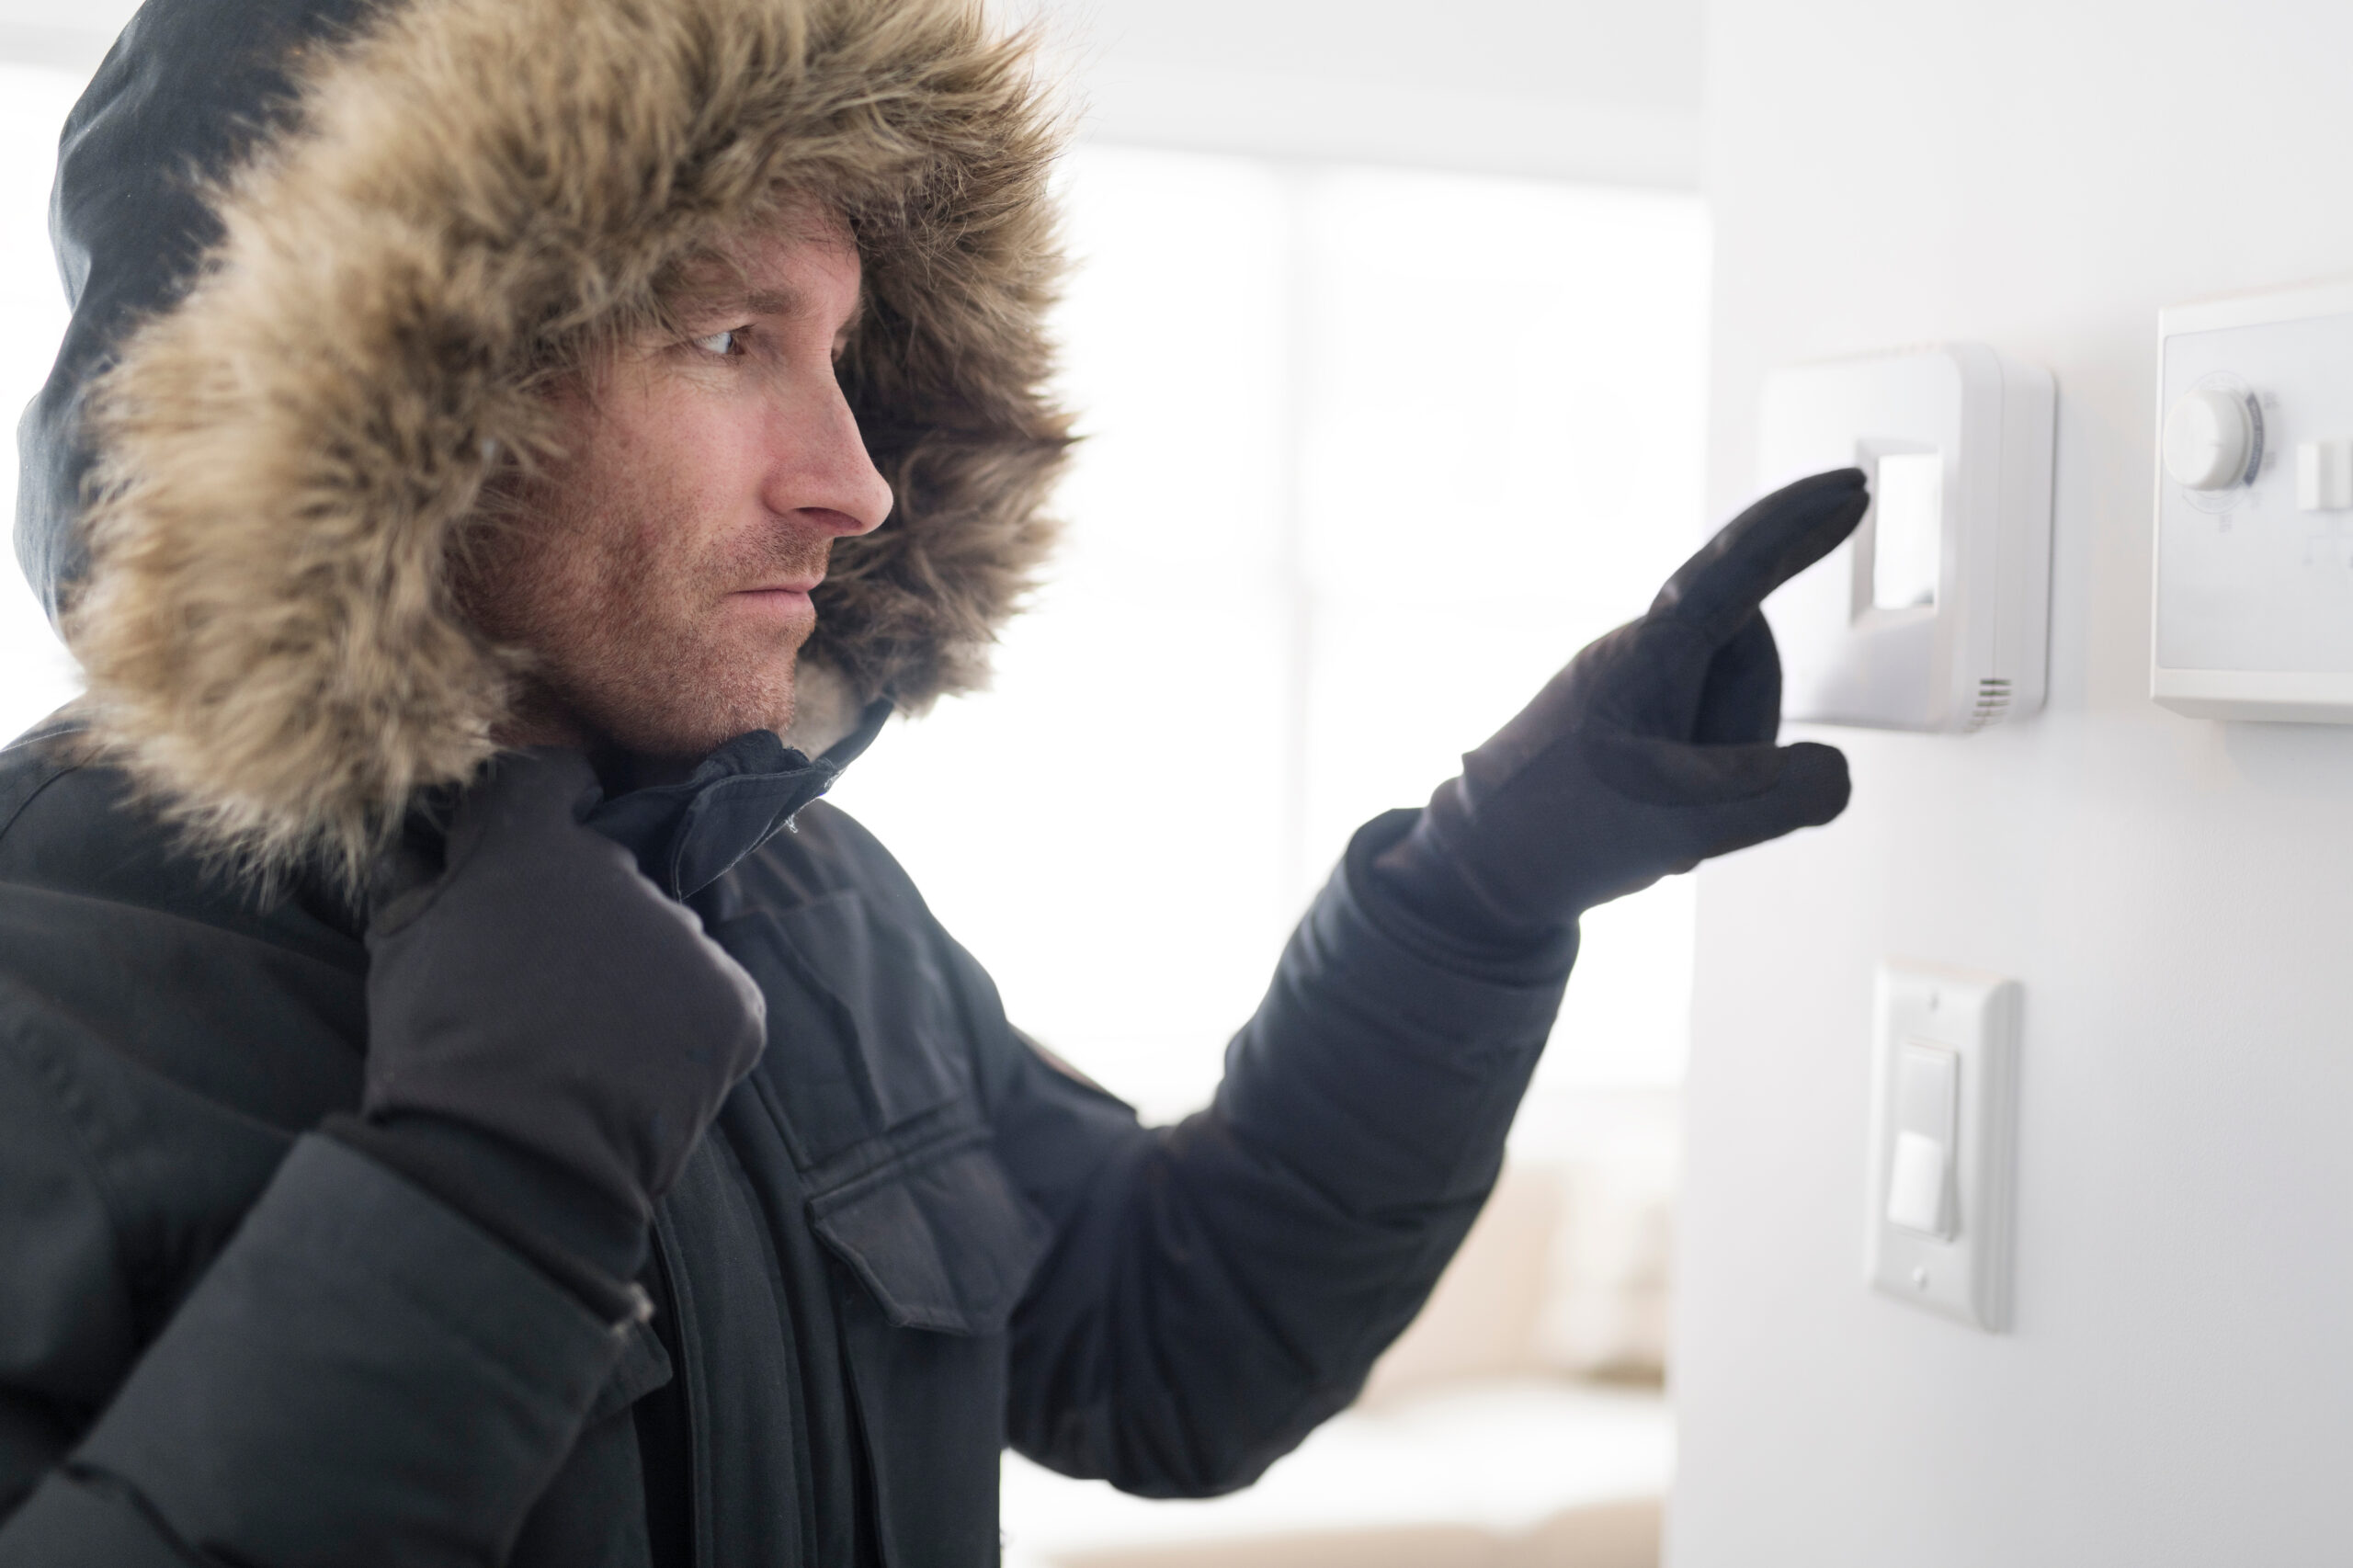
(321, 251)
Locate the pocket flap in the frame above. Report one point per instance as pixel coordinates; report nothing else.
(945, 1244)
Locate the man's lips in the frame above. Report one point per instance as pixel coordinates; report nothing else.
(789, 598)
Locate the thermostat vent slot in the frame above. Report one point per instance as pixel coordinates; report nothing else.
(1993, 703)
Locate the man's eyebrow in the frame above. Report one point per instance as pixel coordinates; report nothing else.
(771, 303)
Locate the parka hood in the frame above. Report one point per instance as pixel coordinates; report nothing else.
(322, 255)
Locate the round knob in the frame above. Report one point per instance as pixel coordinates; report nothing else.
(2210, 435)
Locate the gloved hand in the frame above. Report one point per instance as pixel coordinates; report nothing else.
(536, 988)
(1652, 751)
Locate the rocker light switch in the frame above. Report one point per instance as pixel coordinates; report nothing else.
(1916, 1183)
(1927, 1089)
(1944, 1054)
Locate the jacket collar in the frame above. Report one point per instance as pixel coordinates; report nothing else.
(689, 835)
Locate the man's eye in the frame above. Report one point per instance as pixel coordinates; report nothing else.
(720, 343)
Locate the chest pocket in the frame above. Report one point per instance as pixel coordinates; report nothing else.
(869, 1072)
(864, 1038)
(942, 1242)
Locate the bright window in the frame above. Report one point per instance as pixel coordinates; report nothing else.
(1369, 455)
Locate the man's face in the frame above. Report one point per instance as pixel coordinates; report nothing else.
(660, 574)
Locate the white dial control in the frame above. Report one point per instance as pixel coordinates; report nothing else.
(2210, 438)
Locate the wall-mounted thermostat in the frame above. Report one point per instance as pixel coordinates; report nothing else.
(2253, 615)
(1936, 614)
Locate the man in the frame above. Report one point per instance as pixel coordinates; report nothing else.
(463, 1099)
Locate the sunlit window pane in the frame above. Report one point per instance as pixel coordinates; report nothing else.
(1369, 456)
(1106, 828)
(1501, 447)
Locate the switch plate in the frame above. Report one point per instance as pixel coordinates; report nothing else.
(1944, 1072)
(2252, 612)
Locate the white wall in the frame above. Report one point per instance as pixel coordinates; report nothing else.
(2177, 896)
(50, 32)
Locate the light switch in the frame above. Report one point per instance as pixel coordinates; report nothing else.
(1944, 1048)
(1928, 1097)
(2324, 475)
(1916, 1184)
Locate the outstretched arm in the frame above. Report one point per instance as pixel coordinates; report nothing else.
(1221, 1287)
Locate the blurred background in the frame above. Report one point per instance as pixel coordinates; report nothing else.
(1414, 344)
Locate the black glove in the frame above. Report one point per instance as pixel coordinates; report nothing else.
(1652, 751)
(548, 1034)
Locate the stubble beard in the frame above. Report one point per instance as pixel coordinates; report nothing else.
(626, 643)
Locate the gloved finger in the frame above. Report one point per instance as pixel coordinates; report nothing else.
(1740, 699)
(1719, 588)
(1656, 771)
(1810, 788)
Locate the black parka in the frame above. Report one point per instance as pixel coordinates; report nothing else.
(909, 1239)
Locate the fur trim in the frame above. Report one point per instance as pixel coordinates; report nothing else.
(824, 709)
(289, 457)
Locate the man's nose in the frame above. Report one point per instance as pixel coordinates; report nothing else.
(824, 469)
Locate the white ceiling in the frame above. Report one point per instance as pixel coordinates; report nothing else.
(1644, 54)
(1591, 90)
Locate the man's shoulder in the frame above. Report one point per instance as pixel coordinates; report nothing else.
(52, 749)
(128, 966)
(72, 826)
